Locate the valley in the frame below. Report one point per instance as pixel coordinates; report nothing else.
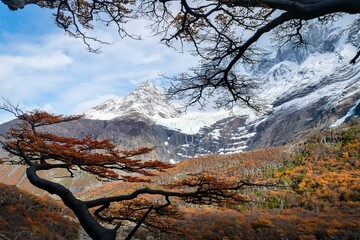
(307, 190)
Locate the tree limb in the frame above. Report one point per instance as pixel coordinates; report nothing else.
(352, 61)
(141, 221)
(87, 221)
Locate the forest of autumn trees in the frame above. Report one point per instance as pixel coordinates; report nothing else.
(316, 195)
(308, 190)
(223, 33)
(40, 150)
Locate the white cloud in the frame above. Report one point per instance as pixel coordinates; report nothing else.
(44, 62)
(55, 72)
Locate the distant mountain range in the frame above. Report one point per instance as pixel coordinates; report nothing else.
(305, 90)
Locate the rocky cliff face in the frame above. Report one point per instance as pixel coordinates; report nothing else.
(306, 89)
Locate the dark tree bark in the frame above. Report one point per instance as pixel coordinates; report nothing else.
(353, 61)
(86, 219)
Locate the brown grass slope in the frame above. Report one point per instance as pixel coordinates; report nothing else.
(26, 216)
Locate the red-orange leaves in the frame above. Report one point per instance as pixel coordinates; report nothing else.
(33, 142)
(40, 118)
(135, 152)
(101, 172)
(134, 179)
(209, 190)
(156, 165)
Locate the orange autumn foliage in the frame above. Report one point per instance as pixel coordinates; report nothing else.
(25, 216)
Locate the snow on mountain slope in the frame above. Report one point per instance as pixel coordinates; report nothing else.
(327, 74)
(279, 80)
(192, 122)
(152, 103)
(146, 99)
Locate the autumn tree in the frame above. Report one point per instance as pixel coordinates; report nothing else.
(32, 144)
(223, 32)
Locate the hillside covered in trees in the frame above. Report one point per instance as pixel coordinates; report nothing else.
(307, 190)
(316, 195)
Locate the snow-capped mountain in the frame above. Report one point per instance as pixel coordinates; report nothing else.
(146, 99)
(307, 90)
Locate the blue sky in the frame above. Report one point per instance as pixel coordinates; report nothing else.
(42, 67)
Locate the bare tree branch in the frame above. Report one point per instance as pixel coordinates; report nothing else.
(141, 221)
(223, 32)
(353, 61)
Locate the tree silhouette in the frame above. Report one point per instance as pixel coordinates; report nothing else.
(223, 32)
(34, 146)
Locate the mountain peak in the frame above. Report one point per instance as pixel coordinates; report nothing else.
(146, 85)
(146, 100)
(146, 92)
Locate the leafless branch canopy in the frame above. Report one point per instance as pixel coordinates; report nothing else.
(223, 32)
